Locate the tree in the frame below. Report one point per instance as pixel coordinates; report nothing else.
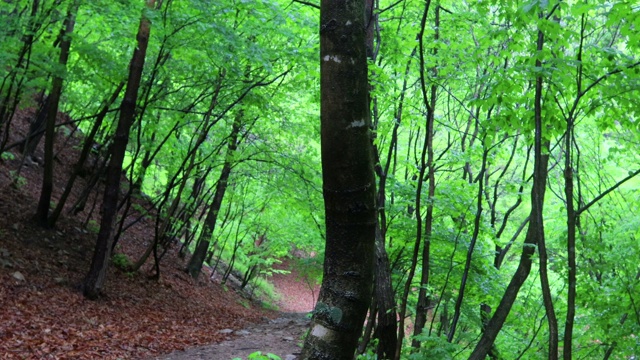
(535, 237)
(95, 278)
(197, 259)
(348, 183)
(53, 102)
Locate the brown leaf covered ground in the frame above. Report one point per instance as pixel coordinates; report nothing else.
(43, 314)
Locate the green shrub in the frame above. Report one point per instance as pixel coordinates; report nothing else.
(259, 356)
(121, 261)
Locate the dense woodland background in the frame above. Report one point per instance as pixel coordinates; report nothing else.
(506, 137)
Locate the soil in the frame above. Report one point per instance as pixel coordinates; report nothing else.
(43, 315)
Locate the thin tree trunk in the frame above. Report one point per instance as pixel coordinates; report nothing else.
(424, 300)
(382, 323)
(573, 217)
(84, 155)
(53, 102)
(6, 109)
(95, 278)
(421, 164)
(474, 237)
(485, 313)
(416, 252)
(535, 231)
(552, 320)
(387, 325)
(197, 259)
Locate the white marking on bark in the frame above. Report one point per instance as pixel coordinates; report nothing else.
(319, 331)
(356, 124)
(334, 58)
(348, 22)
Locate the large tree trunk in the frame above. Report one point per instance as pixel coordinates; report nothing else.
(348, 183)
(94, 281)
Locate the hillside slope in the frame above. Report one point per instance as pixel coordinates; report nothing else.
(43, 313)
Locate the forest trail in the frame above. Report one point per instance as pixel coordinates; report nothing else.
(281, 336)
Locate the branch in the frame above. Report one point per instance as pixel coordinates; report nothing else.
(605, 193)
(504, 251)
(307, 3)
(389, 7)
(613, 72)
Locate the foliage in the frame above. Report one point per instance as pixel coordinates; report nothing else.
(259, 356)
(6, 156)
(435, 347)
(211, 63)
(121, 261)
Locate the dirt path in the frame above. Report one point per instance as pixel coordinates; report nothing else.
(281, 336)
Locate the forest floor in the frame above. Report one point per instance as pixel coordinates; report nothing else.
(43, 314)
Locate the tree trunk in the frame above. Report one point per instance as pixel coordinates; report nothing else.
(36, 128)
(95, 278)
(53, 102)
(382, 312)
(348, 183)
(474, 238)
(9, 102)
(424, 300)
(573, 217)
(547, 299)
(197, 259)
(84, 155)
(485, 312)
(535, 231)
(387, 321)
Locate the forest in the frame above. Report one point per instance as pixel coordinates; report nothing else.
(461, 176)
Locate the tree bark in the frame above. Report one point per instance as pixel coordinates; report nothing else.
(95, 278)
(387, 321)
(348, 183)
